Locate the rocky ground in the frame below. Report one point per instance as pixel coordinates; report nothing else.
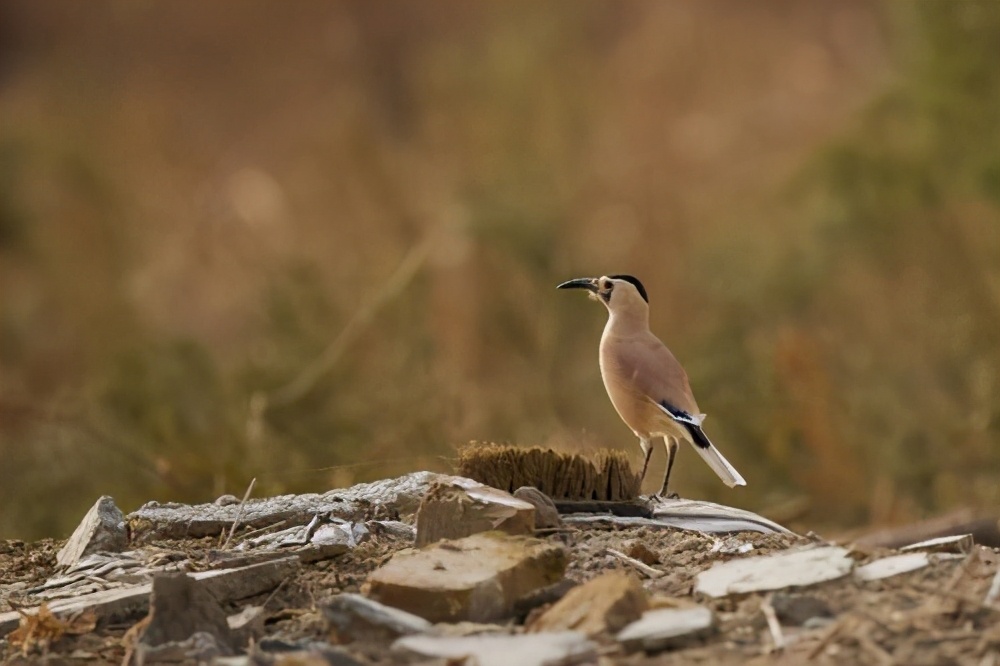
(335, 579)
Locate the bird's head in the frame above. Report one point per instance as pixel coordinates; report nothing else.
(617, 292)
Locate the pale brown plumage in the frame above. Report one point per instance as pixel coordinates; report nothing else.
(647, 385)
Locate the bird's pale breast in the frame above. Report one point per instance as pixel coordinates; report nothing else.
(620, 375)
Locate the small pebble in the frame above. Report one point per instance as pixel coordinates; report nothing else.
(546, 514)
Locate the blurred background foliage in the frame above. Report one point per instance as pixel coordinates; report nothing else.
(318, 243)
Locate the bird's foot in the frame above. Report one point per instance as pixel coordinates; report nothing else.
(670, 496)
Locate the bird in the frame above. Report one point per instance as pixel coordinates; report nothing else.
(647, 385)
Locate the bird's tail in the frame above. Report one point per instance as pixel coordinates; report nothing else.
(720, 465)
(692, 426)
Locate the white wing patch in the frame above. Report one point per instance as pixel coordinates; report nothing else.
(680, 415)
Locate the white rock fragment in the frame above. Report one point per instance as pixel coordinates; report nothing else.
(562, 648)
(775, 572)
(731, 545)
(335, 534)
(101, 530)
(314, 541)
(892, 566)
(959, 543)
(666, 627)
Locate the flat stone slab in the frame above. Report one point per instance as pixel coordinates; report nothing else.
(604, 604)
(892, 566)
(563, 648)
(101, 530)
(354, 617)
(118, 604)
(456, 509)
(663, 628)
(794, 568)
(478, 578)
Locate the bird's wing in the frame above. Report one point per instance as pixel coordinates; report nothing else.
(658, 377)
(690, 422)
(657, 374)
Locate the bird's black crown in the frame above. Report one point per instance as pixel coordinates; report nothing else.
(635, 282)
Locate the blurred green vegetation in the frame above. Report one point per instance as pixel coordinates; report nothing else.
(318, 247)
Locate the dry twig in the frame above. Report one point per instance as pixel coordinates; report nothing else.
(239, 513)
(642, 567)
(777, 636)
(878, 654)
(839, 627)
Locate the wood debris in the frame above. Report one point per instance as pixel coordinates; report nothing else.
(131, 602)
(156, 522)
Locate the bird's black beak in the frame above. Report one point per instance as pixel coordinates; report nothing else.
(590, 284)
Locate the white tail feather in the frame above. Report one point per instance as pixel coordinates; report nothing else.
(721, 466)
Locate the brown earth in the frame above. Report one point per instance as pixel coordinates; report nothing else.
(936, 615)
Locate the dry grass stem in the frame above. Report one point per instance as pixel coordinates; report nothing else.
(239, 513)
(639, 566)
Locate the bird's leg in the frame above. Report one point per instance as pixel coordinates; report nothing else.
(647, 450)
(672, 447)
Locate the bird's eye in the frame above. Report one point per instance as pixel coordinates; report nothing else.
(608, 285)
